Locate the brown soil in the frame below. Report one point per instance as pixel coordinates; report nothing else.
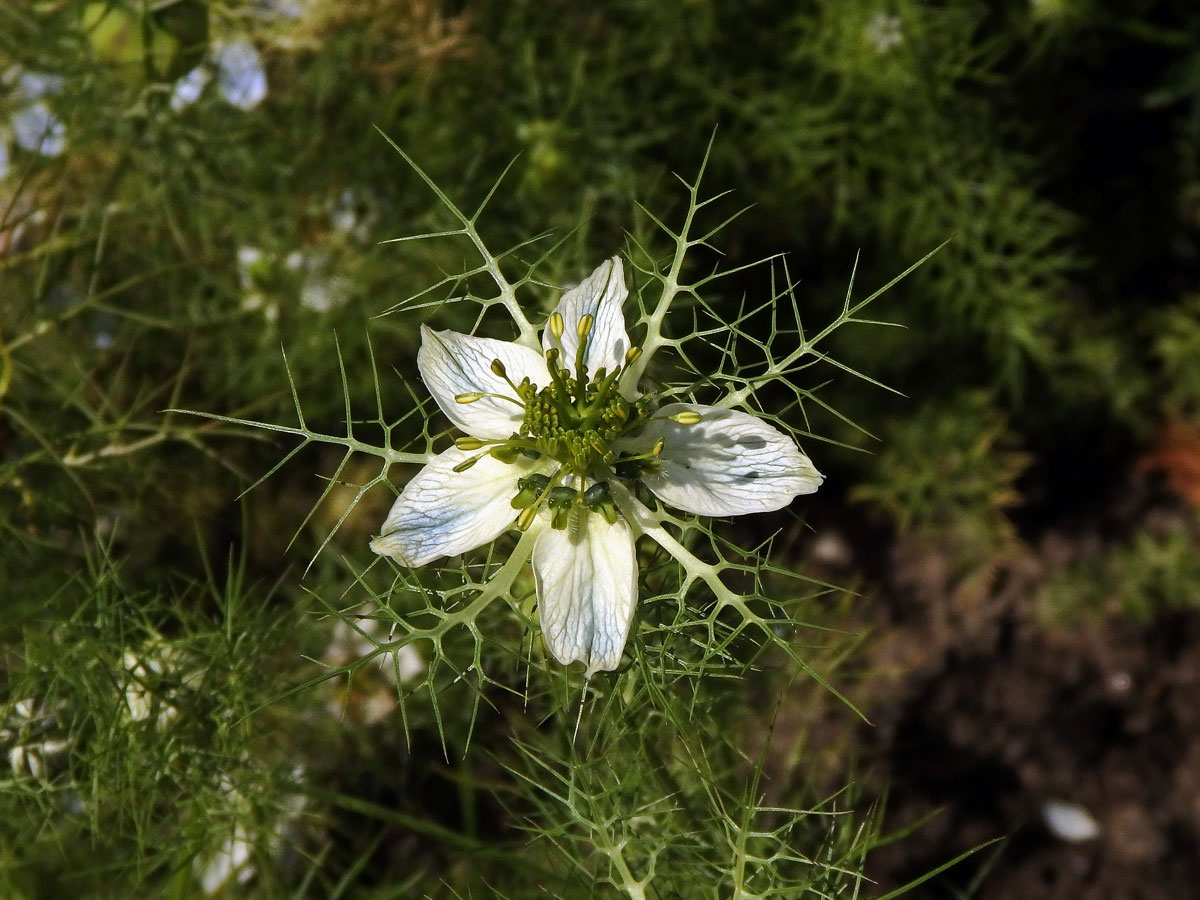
(982, 713)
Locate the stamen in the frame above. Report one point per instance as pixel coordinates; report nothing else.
(605, 384)
(655, 451)
(472, 397)
(584, 329)
(470, 443)
(586, 321)
(467, 463)
(606, 455)
(556, 325)
(562, 390)
(686, 417)
(500, 372)
(525, 519)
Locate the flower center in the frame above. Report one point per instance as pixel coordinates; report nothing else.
(574, 421)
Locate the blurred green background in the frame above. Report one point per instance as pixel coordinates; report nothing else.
(188, 188)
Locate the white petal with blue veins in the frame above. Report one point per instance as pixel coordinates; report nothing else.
(602, 296)
(728, 464)
(452, 364)
(240, 73)
(441, 512)
(586, 579)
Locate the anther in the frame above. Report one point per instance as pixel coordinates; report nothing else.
(469, 443)
(632, 354)
(498, 369)
(525, 519)
(556, 324)
(586, 322)
(467, 398)
(686, 417)
(467, 463)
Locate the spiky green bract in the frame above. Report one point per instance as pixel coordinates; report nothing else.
(703, 813)
(128, 738)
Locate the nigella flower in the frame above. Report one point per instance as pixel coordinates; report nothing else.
(35, 126)
(241, 78)
(240, 73)
(548, 434)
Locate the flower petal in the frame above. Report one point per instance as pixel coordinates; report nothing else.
(240, 73)
(728, 463)
(586, 578)
(443, 513)
(452, 364)
(600, 295)
(39, 130)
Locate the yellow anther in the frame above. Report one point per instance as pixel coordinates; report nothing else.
(468, 443)
(632, 354)
(467, 398)
(525, 519)
(686, 417)
(466, 464)
(585, 325)
(556, 324)
(498, 369)
(658, 447)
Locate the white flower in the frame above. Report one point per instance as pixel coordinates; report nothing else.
(241, 78)
(884, 32)
(34, 125)
(548, 432)
(27, 733)
(370, 696)
(240, 73)
(156, 681)
(234, 862)
(189, 87)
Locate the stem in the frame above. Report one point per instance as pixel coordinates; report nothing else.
(649, 524)
(316, 437)
(632, 886)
